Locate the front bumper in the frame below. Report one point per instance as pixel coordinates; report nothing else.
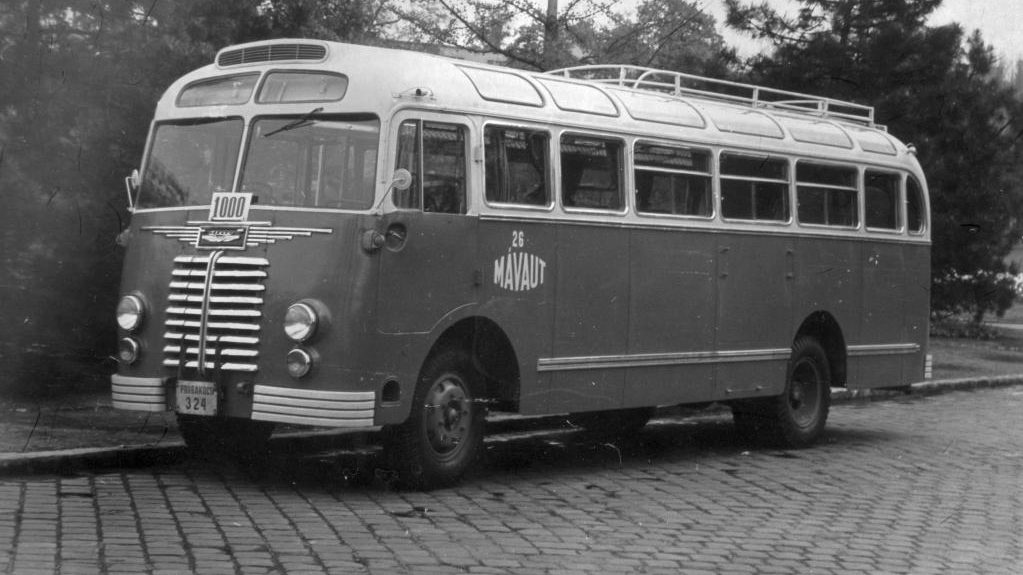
(312, 407)
(139, 393)
(278, 404)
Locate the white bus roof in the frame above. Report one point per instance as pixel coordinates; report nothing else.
(624, 99)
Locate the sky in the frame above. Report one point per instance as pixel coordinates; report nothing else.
(999, 21)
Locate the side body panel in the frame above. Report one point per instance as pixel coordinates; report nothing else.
(754, 312)
(591, 318)
(518, 273)
(672, 320)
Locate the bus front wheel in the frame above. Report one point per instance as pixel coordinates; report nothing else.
(443, 435)
(797, 417)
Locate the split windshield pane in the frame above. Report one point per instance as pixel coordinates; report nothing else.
(190, 160)
(318, 162)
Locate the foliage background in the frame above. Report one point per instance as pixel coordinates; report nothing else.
(79, 80)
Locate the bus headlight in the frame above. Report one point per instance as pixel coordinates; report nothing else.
(299, 362)
(300, 322)
(130, 311)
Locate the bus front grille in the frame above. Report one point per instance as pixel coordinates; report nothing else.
(214, 309)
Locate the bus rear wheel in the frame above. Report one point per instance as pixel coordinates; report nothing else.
(232, 438)
(443, 435)
(797, 417)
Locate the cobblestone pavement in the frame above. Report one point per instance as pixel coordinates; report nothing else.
(922, 485)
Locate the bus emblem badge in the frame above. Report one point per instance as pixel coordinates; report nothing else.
(222, 237)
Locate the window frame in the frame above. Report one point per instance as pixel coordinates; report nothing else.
(216, 80)
(265, 78)
(710, 174)
(151, 143)
(548, 172)
(419, 177)
(857, 188)
(900, 216)
(624, 207)
(924, 212)
(721, 177)
(303, 166)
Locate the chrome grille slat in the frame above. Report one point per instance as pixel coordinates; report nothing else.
(201, 273)
(238, 339)
(214, 313)
(237, 287)
(247, 300)
(239, 313)
(210, 351)
(230, 366)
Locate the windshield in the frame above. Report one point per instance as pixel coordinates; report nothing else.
(312, 161)
(189, 161)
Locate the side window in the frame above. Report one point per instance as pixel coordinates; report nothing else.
(827, 195)
(672, 180)
(435, 155)
(516, 166)
(754, 188)
(915, 217)
(881, 198)
(590, 173)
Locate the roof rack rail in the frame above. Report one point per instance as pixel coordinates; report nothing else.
(679, 84)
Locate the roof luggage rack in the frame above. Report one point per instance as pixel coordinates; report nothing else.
(679, 84)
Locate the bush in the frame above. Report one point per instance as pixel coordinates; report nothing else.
(961, 328)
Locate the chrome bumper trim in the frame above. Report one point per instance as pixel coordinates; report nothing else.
(312, 407)
(139, 393)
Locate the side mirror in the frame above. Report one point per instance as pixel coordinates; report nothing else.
(401, 180)
(131, 185)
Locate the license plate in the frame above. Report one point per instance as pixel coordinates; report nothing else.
(197, 397)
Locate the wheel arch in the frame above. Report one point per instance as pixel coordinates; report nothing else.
(492, 354)
(823, 327)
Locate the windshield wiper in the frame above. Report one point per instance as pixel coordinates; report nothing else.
(303, 121)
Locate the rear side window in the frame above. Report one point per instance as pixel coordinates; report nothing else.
(915, 215)
(754, 188)
(516, 166)
(672, 180)
(881, 200)
(590, 173)
(827, 195)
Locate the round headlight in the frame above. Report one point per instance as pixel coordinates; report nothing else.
(129, 312)
(299, 362)
(300, 322)
(127, 351)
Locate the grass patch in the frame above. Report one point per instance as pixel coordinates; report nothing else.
(1000, 352)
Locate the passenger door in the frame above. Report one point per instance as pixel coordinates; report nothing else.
(427, 262)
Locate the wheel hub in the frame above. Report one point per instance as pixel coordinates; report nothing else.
(447, 414)
(804, 394)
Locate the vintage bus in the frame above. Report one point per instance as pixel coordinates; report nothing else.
(335, 235)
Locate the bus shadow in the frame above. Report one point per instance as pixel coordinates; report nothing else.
(357, 462)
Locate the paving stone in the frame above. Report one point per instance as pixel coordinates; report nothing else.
(919, 486)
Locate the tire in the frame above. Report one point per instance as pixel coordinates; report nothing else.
(616, 423)
(443, 435)
(797, 417)
(231, 438)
